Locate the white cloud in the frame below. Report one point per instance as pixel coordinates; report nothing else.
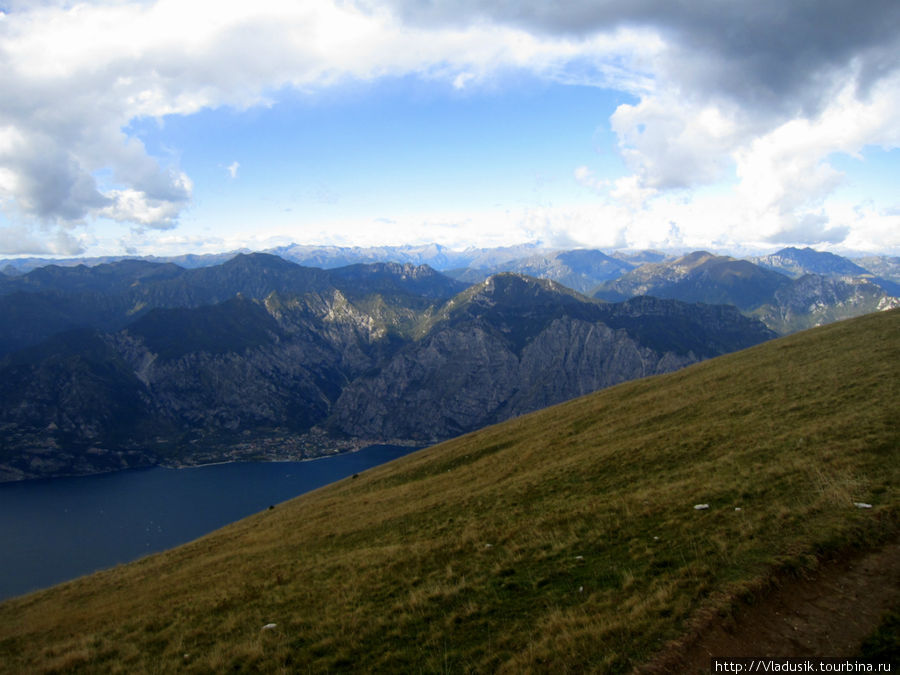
(19, 239)
(757, 94)
(584, 176)
(74, 76)
(137, 207)
(232, 169)
(786, 179)
(631, 192)
(672, 143)
(781, 183)
(460, 81)
(772, 56)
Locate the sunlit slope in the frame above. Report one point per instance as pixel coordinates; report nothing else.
(564, 538)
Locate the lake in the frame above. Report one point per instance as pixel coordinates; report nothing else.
(56, 529)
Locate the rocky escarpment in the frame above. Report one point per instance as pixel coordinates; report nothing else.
(513, 345)
(462, 378)
(187, 385)
(814, 300)
(698, 277)
(70, 406)
(381, 356)
(109, 297)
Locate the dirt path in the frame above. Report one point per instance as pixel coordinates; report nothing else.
(827, 615)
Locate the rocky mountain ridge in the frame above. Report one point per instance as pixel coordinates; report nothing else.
(132, 363)
(760, 286)
(784, 303)
(324, 360)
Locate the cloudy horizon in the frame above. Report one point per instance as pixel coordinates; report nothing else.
(158, 127)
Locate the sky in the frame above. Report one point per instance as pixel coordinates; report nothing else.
(139, 127)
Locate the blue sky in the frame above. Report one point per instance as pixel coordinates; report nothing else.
(402, 147)
(163, 127)
(343, 165)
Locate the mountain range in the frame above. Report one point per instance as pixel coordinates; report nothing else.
(135, 363)
(849, 287)
(789, 291)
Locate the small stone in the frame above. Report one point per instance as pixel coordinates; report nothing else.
(701, 507)
(862, 505)
(579, 557)
(269, 626)
(737, 508)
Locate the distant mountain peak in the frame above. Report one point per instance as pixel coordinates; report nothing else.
(401, 269)
(506, 294)
(515, 288)
(796, 262)
(258, 260)
(697, 258)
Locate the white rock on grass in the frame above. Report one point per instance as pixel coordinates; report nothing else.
(862, 505)
(701, 507)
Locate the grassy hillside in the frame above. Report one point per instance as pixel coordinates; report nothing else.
(564, 539)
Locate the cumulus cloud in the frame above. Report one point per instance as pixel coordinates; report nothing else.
(669, 143)
(760, 93)
(584, 176)
(766, 54)
(564, 227)
(752, 91)
(232, 169)
(19, 239)
(785, 174)
(75, 75)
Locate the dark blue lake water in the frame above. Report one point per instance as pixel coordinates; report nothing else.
(57, 529)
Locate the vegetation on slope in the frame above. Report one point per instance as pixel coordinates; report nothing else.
(232, 326)
(562, 540)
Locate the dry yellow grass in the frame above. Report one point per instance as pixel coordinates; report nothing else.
(562, 540)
